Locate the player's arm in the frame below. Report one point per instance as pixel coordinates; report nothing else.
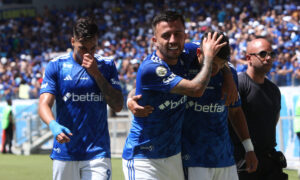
(196, 87)
(239, 124)
(113, 97)
(229, 88)
(135, 108)
(45, 104)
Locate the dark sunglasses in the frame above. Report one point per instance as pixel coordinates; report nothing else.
(263, 54)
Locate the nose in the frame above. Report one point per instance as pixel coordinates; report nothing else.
(172, 38)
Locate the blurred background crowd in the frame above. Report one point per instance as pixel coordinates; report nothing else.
(28, 43)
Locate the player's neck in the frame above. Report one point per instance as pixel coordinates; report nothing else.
(167, 60)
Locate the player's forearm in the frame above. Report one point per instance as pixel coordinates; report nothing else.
(45, 104)
(112, 96)
(239, 123)
(45, 113)
(203, 77)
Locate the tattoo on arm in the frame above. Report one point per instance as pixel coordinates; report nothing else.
(112, 96)
(203, 77)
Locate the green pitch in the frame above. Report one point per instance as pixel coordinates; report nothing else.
(39, 167)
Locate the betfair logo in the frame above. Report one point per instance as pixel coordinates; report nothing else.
(205, 108)
(172, 104)
(83, 97)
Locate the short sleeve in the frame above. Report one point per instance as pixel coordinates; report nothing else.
(158, 77)
(50, 79)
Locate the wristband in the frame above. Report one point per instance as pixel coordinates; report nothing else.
(248, 145)
(128, 99)
(56, 128)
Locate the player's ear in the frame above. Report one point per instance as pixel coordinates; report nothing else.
(199, 52)
(154, 39)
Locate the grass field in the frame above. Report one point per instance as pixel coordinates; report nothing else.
(39, 167)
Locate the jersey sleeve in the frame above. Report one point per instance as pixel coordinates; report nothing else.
(50, 79)
(114, 78)
(159, 77)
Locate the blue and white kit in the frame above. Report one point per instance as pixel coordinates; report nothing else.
(80, 106)
(159, 134)
(206, 140)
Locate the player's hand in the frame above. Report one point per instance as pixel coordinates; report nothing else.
(229, 91)
(211, 45)
(136, 109)
(60, 132)
(251, 161)
(90, 64)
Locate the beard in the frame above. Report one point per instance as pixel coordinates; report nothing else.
(170, 54)
(78, 58)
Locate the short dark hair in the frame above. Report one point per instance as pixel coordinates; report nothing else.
(167, 16)
(224, 52)
(85, 29)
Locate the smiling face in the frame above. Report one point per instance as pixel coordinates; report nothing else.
(169, 40)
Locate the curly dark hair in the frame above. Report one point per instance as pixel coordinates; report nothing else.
(85, 29)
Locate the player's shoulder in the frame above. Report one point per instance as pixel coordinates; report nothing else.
(104, 60)
(153, 59)
(61, 58)
(191, 47)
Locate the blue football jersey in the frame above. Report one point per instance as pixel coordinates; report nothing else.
(80, 106)
(159, 134)
(205, 140)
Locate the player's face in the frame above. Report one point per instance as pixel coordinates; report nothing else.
(217, 65)
(261, 57)
(169, 40)
(84, 47)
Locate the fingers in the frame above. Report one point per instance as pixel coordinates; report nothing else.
(63, 138)
(143, 111)
(87, 61)
(251, 162)
(137, 97)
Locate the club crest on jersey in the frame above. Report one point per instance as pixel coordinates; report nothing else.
(161, 71)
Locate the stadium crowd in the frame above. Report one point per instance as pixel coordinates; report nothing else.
(27, 44)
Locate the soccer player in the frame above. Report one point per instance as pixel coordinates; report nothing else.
(206, 145)
(82, 83)
(153, 146)
(261, 102)
(207, 151)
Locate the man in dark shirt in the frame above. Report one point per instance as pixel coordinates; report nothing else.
(261, 103)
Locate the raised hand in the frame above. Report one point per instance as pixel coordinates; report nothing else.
(90, 64)
(211, 45)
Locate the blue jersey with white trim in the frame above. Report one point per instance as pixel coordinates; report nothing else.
(205, 140)
(80, 106)
(159, 134)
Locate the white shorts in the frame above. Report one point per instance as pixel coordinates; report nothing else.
(201, 173)
(154, 169)
(97, 169)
